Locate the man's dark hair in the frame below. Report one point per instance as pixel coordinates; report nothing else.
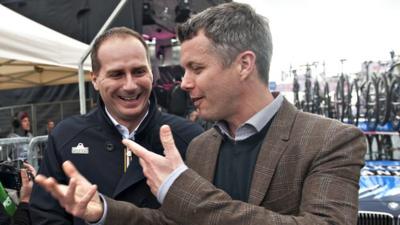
(233, 28)
(116, 32)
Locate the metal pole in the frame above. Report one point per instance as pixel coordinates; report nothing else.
(81, 74)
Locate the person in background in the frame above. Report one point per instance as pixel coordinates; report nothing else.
(22, 214)
(194, 116)
(264, 162)
(21, 125)
(21, 128)
(126, 108)
(49, 126)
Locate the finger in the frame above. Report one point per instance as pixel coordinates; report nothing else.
(81, 207)
(70, 170)
(24, 177)
(138, 150)
(70, 195)
(39, 179)
(30, 168)
(167, 140)
(87, 197)
(51, 186)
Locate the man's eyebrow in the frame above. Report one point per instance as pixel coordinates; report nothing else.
(191, 64)
(132, 68)
(140, 67)
(113, 71)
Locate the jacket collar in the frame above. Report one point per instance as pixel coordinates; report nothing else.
(274, 145)
(152, 114)
(272, 149)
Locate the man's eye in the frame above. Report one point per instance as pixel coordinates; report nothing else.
(139, 72)
(197, 70)
(115, 74)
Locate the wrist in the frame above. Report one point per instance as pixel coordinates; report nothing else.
(97, 211)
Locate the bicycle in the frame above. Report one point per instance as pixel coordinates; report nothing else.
(296, 90)
(326, 109)
(394, 92)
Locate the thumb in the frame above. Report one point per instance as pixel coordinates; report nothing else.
(167, 140)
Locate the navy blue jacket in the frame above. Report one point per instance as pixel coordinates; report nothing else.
(104, 164)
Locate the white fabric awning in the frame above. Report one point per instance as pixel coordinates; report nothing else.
(34, 55)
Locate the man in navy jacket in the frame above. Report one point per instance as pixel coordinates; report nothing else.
(126, 109)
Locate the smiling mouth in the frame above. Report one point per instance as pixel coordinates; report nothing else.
(196, 100)
(130, 98)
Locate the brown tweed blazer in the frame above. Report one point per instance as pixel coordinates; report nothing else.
(306, 173)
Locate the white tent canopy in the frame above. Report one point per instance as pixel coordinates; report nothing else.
(34, 55)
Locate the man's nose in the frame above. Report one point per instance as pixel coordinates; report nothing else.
(187, 82)
(130, 82)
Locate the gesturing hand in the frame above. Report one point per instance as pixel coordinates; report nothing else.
(157, 168)
(80, 197)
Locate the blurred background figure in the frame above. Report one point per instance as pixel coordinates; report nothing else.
(21, 128)
(49, 127)
(21, 125)
(194, 116)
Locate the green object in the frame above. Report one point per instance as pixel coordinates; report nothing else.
(7, 202)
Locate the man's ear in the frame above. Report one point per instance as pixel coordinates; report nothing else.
(93, 77)
(247, 63)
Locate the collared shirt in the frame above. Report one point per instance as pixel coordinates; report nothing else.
(249, 128)
(255, 123)
(123, 130)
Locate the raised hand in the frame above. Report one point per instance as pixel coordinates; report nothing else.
(26, 188)
(79, 197)
(157, 168)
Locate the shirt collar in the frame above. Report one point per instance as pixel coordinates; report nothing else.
(255, 123)
(123, 130)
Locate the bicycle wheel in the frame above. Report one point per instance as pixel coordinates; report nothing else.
(354, 103)
(326, 109)
(383, 99)
(316, 99)
(395, 104)
(348, 111)
(307, 96)
(372, 104)
(339, 99)
(296, 89)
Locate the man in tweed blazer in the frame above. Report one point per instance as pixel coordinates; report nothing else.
(299, 169)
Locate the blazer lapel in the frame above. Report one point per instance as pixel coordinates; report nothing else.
(274, 144)
(205, 158)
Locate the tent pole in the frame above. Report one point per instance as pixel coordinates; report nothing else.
(81, 74)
